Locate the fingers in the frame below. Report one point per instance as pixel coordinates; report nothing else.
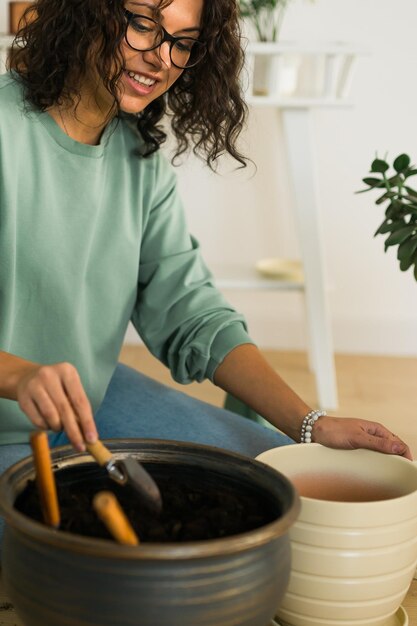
(350, 433)
(81, 405)
(29, 407)
(381, 439)
(53, 398)
(387, 445)
(46, 409)
(65, 410)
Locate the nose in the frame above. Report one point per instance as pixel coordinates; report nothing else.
(159, 56)
(164, 53)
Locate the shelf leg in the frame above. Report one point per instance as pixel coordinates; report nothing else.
(297, 130)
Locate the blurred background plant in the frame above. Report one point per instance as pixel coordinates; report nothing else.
(265, 16)
(400, 223)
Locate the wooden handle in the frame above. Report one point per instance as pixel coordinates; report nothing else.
(111, 514)
(99, 451)
(45, 479)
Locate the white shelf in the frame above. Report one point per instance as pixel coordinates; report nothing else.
(297, 103)
(241, 277)
(309, 47)
(299, 74)
(5, 43)
(6, 40)
(297, 78)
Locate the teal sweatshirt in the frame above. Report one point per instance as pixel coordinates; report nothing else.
(90, 238)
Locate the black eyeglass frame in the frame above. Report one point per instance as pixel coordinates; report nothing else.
(166, 36)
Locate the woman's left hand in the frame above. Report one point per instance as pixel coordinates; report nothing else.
(350, 433)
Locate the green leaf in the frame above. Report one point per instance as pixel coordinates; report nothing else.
(387, 195)
(401, 163)
(253, 7)
(397, 204)
(407, 208)
(378, 165)
(412, 199)
(395, 181)
(392, 210)
(415, 270)
(400, 235)
(407, 249)
(389, 226)
(374, 182)
(397, 209)
(410, 172)
(405, 264)
(411, 191)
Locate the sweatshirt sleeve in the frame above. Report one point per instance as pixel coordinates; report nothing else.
(180, 315)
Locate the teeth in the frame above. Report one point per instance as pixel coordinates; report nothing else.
(143, 80)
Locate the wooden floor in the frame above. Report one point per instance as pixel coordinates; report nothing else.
(377, 388)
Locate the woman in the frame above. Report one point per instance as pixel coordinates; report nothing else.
(92, 235)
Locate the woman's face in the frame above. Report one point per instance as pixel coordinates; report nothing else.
(147, 75)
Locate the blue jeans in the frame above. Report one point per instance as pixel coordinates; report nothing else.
(137, 406)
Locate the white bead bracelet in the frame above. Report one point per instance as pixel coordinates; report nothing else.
(308, 423)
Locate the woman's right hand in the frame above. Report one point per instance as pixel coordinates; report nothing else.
(53, 397)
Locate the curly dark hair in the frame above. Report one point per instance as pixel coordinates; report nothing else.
(52, 53)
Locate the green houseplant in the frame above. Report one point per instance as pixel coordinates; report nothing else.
(265, 15)
(400, 221)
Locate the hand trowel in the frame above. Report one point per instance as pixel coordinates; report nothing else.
(128, 470)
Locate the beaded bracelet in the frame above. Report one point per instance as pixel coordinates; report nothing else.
(308, 423)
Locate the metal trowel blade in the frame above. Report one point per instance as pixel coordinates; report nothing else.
(142, 482)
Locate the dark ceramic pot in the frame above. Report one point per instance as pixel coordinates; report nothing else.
(56, 578)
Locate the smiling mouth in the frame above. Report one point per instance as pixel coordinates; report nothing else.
(145, 81)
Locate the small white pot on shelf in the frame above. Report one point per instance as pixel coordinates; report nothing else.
(299, 72)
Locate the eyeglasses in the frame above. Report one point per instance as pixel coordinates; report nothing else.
(143, 33)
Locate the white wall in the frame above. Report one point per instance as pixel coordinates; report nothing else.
(4, 19)
(241, 217)
(373, 304)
